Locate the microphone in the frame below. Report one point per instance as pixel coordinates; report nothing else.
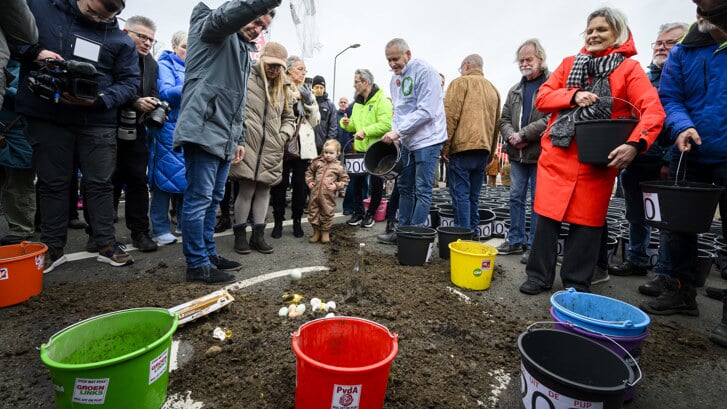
(82, 68)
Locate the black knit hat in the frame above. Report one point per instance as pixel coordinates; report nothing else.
(319, 80)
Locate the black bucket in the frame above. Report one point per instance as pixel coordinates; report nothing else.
(383, 160)
(449, 234)
(597, 138)
(487, 220)
(414, 245)
(562, 370)
(686, 207)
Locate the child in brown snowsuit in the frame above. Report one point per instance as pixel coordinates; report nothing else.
(324, 177)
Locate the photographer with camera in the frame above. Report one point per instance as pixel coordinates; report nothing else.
(93, 53)
(132, 152)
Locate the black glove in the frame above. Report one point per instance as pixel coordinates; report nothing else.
(306, 96)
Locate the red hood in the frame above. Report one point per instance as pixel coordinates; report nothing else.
(628, 48)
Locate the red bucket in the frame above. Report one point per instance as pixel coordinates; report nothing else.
(21, 272)
(342, 362)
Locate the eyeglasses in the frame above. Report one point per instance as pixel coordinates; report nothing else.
(97, 16)
(666, 44)
(357, 82)
(143, 37)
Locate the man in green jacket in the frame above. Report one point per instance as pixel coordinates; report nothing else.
(370, 120)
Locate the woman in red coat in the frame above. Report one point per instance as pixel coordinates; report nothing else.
(595, 84)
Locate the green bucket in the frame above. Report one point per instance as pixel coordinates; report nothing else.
(115, 360)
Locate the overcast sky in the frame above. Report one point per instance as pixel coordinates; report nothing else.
(440, 32)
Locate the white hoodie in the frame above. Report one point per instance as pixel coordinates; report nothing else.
(419, 117)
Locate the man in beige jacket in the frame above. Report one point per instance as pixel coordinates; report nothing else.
(472, 105)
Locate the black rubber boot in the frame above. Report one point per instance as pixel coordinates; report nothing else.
(719, 333)
(390, 226)
(297, 228)
(223, 223)
(277, 229)
(257, 241)
(241, 244)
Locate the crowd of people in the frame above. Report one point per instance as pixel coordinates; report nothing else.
(203, 126)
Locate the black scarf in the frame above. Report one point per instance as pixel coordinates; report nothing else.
(585, 66)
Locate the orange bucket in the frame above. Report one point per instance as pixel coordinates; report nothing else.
(21, 272)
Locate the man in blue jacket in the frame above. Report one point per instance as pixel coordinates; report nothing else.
(692, 89)
(63, 123)
(210, 124)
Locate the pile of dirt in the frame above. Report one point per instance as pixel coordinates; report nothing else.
(457, 349)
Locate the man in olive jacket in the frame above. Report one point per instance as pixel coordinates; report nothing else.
(210, 125)
(472, 105)
(522, 126)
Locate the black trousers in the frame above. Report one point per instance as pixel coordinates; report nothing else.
(132, 159)
(296, 168)
(579, 255)
(376, 190)
(55, 147)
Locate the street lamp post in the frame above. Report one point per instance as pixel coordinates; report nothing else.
(357, 45)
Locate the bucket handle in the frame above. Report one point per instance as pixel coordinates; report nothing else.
(570, 324)
(679, 165)
(571, 115)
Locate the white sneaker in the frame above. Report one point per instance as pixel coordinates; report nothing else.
(164, 239)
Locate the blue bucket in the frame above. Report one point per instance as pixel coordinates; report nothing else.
(599, 313)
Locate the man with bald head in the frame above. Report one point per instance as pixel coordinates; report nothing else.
(472, 106)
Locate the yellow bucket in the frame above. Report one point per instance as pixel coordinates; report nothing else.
(471, 264)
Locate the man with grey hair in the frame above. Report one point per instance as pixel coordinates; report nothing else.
(472, 107)
(645, 167)
(370, 120)
(522, 126)
(419, 126)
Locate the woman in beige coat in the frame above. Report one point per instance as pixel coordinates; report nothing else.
(270, 122)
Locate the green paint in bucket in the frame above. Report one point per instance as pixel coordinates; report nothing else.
(115, 360)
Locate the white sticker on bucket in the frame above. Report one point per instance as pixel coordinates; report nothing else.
(651, 207)
(538, 396)
(430, 252)
(346, 397)
(158, 366)
(4, 274)
(90, 391)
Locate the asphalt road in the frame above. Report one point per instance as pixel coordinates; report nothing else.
(702, 385)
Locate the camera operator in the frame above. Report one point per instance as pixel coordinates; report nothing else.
(132, 154)
(85, 34)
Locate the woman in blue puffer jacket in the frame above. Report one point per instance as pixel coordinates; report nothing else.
(166, 167)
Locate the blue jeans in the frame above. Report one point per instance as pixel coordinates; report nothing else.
(683, 246)
(206, 176)
(466, 174)
(639, 231)
(415, 184)
(159, 211)
(522, 177)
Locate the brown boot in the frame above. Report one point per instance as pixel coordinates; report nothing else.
(316, 235)
(325, 236)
